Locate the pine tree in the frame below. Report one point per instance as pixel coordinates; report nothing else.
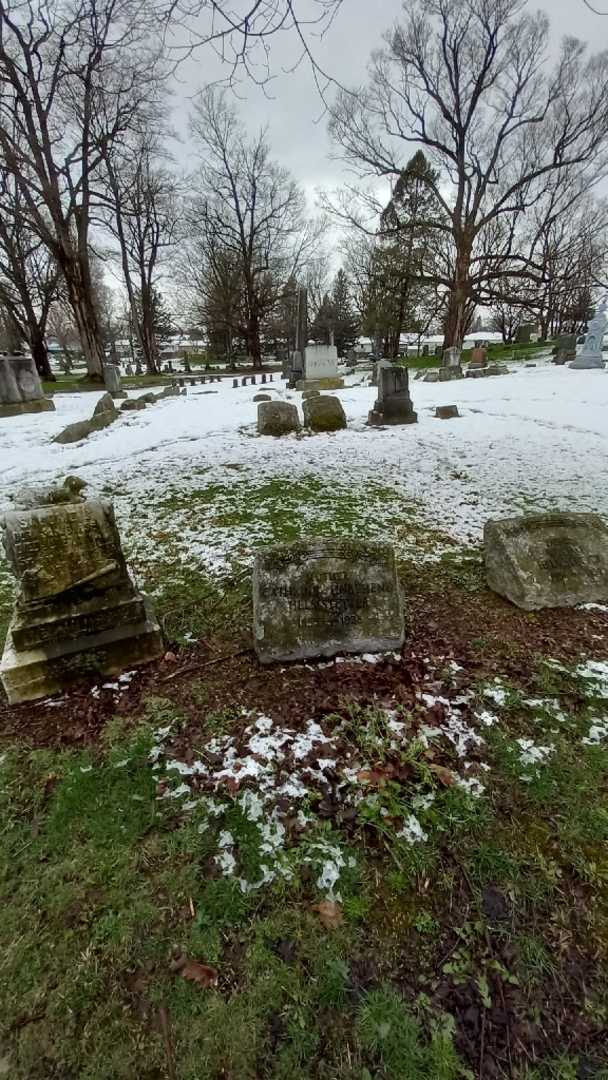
(346, 324)
(401, 291)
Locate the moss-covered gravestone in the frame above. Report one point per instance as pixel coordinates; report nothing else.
(77, 611)
(548, 560)
(277, 418)
(324, 413)
(323, 597)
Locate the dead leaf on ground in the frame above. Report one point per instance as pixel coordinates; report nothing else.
(330, 914)
(445, 776)
(202, 974)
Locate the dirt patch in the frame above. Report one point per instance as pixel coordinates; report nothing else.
(479, 631)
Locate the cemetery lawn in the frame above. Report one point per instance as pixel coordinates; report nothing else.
(388, 868)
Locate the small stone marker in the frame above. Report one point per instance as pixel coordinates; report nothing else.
(111, 377)
(263, 378)
(548, 560)
(262, 397)
(277, 418)
(20, 387)
(394, 404)
(324, 413)
(306, 394)
(235, 383)
(244, 382)
(322, 597)
(135, 404)
(253, 380)
(270, 378)
(446, 412)
(77, 610)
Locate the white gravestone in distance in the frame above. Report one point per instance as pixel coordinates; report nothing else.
(320, 362)
(591, 355)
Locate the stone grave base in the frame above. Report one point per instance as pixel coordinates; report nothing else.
(40, 673)
(484, 372)
(587, 363)
(320, 384)
(18, 408)
(378, 419)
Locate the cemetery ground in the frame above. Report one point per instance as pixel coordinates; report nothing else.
(390, 867)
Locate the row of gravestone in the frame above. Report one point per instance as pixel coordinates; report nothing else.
(105, 413)
(79, 613)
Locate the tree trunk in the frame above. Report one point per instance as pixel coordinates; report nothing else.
(254, 346)
(458, 311)
(41, 356)
(81, 303)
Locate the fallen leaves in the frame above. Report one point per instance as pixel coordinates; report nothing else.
(194, 971)
(330, 913)
(447, 777)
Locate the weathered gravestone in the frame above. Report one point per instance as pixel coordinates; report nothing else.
(277, 418)
(479, 357)
(591, 355)
(20, 387)
(566, 349)
(394, 404)
(104, 414)
(77, 611)
(548, 560)
(323, 597)
(446, 412)
(111, 377)
(324, 413)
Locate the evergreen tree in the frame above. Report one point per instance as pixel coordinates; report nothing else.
(336, 316)
(346, 323)
(401, 293)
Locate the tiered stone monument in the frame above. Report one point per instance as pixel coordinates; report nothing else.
(394, 404)
(77, 611)
(548, 560)
(20, 387)
(591, 355)
(323, 597)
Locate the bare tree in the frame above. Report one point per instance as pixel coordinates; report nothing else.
(473, 83)
(144, 213)
(29, 276)
(241, 34)
(249, 213)
(74, 75)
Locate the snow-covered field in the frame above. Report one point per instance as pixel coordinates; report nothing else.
(534, 439)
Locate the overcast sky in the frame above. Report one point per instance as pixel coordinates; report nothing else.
(292, 108)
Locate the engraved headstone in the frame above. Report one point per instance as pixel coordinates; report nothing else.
(77, 610)
(277, 418)
(591, 355)
(479, 357)
(394, 404)
(20, 387)
(451, 357)
(548, 560)
(320, 362)
(323, 597)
